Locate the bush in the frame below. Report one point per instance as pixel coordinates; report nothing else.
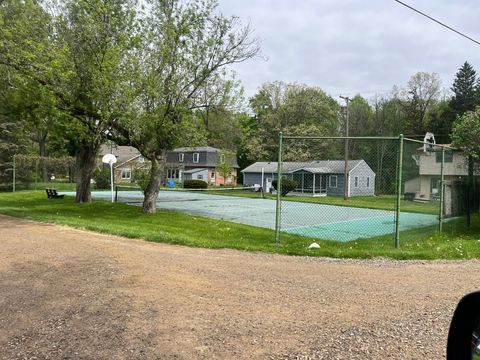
(194, 184)
(141, 177)
(287, 185)
(102, 178)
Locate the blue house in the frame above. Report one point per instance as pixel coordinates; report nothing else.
(316, 178)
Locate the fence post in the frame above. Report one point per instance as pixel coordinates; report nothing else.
(278, 209)
(440, 212)
(469, 190)
(14, 179)
(399, 191)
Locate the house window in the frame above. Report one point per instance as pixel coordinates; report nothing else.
(200, 177)
(368, 182)
(126, 174)
(333, 181)
(356, 181)
(172, 174)
(222, 158)
(448, 156)
(180, 157)
(195, 157)
(213, 175)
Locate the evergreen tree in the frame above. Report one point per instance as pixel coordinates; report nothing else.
(464, 89)
(477, 92)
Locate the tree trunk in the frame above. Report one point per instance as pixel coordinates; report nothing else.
(151, 191)
(84, 168)
(42, 141)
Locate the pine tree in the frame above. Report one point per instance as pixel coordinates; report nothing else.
(477, 92)
(464, 89)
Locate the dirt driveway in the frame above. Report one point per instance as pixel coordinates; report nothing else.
(70, 294)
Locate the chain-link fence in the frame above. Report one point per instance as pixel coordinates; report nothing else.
(345, 189)
(36, 172)
(330, 188)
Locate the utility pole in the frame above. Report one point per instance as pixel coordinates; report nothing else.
(345, 171)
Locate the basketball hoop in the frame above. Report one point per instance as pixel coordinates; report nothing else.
(429, 143)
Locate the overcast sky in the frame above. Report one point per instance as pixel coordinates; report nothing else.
(348, 47)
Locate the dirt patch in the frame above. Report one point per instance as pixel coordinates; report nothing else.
(75, 294)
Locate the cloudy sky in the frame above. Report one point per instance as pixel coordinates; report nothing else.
(355, 46)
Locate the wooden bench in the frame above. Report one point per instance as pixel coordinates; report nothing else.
(52, 194)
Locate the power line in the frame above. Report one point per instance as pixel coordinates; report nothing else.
(438, 22)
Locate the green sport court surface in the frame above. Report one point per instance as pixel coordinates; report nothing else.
(339, 223)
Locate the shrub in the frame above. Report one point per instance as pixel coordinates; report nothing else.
(141, 177)
(194, 184)
(102, 178)
(287, 186)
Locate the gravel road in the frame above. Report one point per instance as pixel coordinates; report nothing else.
(71, 294)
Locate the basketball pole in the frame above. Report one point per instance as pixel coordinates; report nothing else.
(399, 191)
(440, 212)
(345, 171)
(111, 180)
(278, 210)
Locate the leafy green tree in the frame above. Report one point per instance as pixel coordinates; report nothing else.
(389, 119)
(13, 139)
(420, 96)
(296, 110)
(440, 121)
(360, 124)
(185, 47)
(98, 35)
(79, 52)
(225, 170)
(225, 129)
(466, 133)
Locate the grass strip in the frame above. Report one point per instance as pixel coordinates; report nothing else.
(178, 228)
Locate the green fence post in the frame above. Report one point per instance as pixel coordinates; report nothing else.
(440, 212)
(14, 179)
(278, 210)
(399, 191)
(469, 191)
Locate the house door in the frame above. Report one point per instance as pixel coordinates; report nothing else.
(435, 184)
(323, 184)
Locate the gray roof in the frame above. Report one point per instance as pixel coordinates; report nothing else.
(198, 148)
(208, 157)
(316, 166)
(123, 153)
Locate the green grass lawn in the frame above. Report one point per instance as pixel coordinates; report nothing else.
(178, 228)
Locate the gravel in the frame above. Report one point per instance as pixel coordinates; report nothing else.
(71, 294)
